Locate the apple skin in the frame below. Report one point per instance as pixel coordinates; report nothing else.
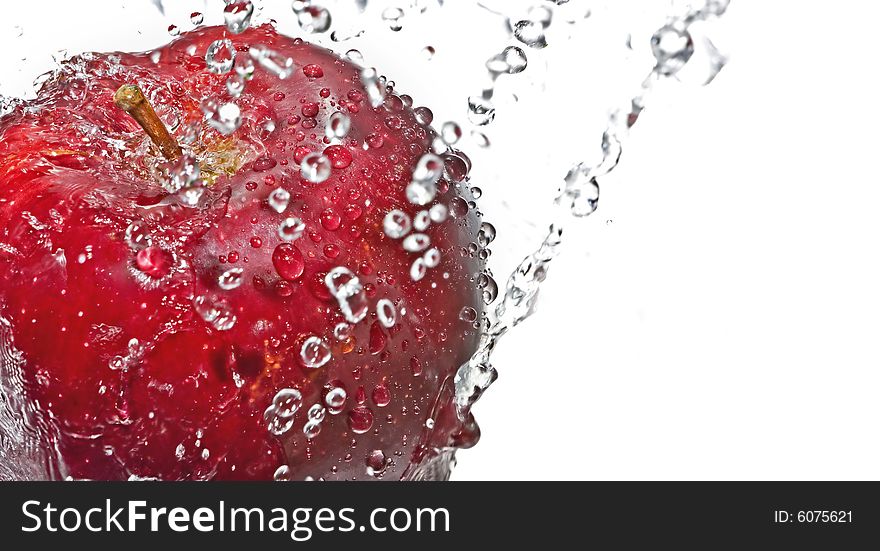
(188, 401)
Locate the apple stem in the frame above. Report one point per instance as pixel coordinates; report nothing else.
(130, 99)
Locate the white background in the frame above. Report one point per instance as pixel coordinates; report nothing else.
(717, 317)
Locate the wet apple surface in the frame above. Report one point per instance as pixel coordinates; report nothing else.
(280, 301)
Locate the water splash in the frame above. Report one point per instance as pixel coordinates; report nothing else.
(312, 18)
(316, 167)
(237, 15)
(220, 56)
(314, 352)
(25, 440)
(672, 47)
(272, 61)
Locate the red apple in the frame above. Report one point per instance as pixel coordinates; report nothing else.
(186, 341)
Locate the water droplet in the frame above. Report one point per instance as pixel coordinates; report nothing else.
(173, 30)
(354, 56)
(282, 474)
(458, 207)
(486, 234)
(220, 56)
(185, 170)
(311, 18)
(311, 429)
(349, 293)
(490, 288)
(137, 236)
(288, 261)
(342, 331)
(376, 463)
(116, 363)
(338, 126)
(375, 92)
(392, 16)
(530, 33)
(450, 132)
(424, 115)
(360, 419)
(314, 352)
(230, 279)
(315, 167)
(330, 219)
(235, 86)
(467, 314)
(420, 193)
(335, 399)
(339, 156)
(480, 111)
(237, 16)
(374, 140)
(216, 312)
(422, 220)
(378, 339)
(457, 166)
(152, 261)
(418, 270)
(416, 242)
(191, 195)
(381, 396)
(291, 229)
(196, 17)
(476, 192)
(516, 59)
(480, 139)
(191, 132)
(179, 451)
(275, 423)
(386, 312)
(279, 199)
(510, 61)
(429, 168)
(497, 65)
(225, 118)
(396, 224)
(313, 70)
(432, 257)
(244, 67)
(428, 52)
(438, 213)
(423, 188)
(287, 402)
(310, 109)
(672, 47)
(317, 413)
(581, 191)
(277, 64)
(415, 365)
(438, 146)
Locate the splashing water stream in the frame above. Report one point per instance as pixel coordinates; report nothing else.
(579, 196)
